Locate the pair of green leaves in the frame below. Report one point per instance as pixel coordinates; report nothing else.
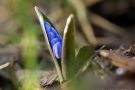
(70, 63)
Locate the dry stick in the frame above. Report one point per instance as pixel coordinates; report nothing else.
(118, 60)
(104, 40)
(103, 23)
(82, 17)
(4, 65)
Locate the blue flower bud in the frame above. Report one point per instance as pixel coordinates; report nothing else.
(60, 38)
(47, 27)
(57, 49)
(51, 35)
(54, 31)
(55, 40)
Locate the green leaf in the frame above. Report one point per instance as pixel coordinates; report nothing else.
(43, 18)
(68, 50)
(83, 56)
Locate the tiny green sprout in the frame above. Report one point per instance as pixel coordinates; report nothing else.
(62, 50)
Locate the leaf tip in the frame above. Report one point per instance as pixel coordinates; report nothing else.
(69, 19)
(36, 9)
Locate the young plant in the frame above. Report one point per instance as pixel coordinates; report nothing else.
(67, 63)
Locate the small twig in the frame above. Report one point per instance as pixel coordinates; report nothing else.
(103, 23)
(4, 65)
(118, 60)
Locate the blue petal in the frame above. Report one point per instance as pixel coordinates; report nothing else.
(54, 31)
(57, 49)
(47, 27)
(60, 38)
(51, 35)
(55, 40)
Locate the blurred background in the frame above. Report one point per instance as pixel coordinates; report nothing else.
(98, 22)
